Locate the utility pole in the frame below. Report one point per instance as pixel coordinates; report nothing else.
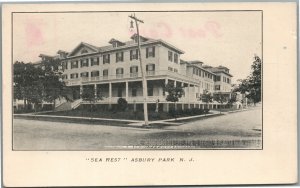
(144, 81)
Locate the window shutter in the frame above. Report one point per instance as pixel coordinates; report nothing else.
(153, 67)
(131, 55)
(137, 54)
(153, 50)
(147, 52)
(147, 67)
(122, 56)
(108, 58)
(130, 69)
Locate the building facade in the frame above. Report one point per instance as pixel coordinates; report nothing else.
(114, 71)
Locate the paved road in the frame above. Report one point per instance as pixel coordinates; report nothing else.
(235, 130)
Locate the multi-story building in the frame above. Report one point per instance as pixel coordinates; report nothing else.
(114, 70)
(222, 84)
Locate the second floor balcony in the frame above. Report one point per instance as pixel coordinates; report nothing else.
(133, 75)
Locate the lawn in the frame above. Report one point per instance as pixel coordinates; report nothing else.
(130, 115)
(127, 114)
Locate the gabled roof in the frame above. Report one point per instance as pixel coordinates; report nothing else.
(93, 48)
(127, 44)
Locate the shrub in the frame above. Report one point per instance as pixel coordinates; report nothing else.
(122, 104)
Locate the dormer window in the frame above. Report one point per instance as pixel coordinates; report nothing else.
(115, 43)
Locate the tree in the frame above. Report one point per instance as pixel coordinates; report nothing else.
(252, 84)
(220, 98)
(206, 98)
(35, 84)
(88, 94)
(174, 94)
(232, 99)
(28, 83)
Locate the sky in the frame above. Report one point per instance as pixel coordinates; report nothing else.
(230, 39)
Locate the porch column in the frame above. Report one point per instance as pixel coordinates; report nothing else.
(95, 90)
(183, 100)
(166, 105)
(189, 105)
(166, 81)
(194, 97)
(198, 95)
(175, 83)
(109, 94)
(80, 91)
(126, 90)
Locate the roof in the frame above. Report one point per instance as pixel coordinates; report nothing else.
(92, 47)
(115, 40)
(220, 71)
(190, 64)
(222, 67)
(127, 44)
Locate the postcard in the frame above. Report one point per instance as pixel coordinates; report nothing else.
(138, 94)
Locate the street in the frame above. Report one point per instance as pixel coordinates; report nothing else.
(235, 130)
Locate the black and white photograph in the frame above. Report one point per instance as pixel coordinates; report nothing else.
(137, 80)
(149, 94)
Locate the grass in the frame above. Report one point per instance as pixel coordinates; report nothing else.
(110, 114)
(130, 115)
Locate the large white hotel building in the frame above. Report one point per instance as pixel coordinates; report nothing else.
(114, 70)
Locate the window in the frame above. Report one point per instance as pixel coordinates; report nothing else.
(94, 61)
(170, 56)
(194, 70)
(150, 52)
(64, 76)
(106, 58)
(84, 74)
(119, 57)
(134, 92)
(218, 78)
(134, 54)
(150, 69)
(217, 87)
(74, 75)
(175, 70)
(119, 72)
(119, 91)
(65, 65)
(105, 73)
(134, 71)
(228, 81)
(175, 58)
(84, 62)
(150, 91)
(115, 44)
(74, 64)
(170, 68)
(95, 73)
